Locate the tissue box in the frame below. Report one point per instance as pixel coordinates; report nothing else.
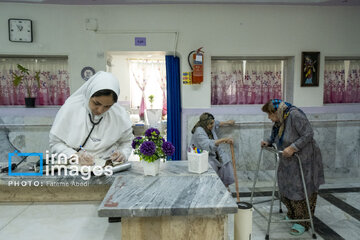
(198, 162)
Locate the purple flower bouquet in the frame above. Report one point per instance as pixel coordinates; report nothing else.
(152, 146)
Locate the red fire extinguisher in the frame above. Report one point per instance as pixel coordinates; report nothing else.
(197, 66)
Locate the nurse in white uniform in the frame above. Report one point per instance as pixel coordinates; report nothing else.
(92, 122)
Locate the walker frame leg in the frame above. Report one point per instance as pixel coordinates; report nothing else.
(277, 160)
(307, 199)
(256, 177)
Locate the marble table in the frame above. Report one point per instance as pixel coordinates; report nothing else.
(176, 204)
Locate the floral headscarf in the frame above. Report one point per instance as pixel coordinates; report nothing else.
(282, 112)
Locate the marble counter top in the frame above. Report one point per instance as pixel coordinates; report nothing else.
(174, 192)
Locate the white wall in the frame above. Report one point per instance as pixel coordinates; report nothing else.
(229, 30)
(120, 68)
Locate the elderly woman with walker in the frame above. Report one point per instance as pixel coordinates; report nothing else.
(292, 133)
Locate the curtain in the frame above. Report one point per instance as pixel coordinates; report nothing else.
(334, 82)
(138, 72)
(174, 104)
(260, 82)
(162, 83)
(150, 79)
(227, 82)
(352, 89)
(54, 81)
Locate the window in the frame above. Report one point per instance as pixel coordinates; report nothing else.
(342, 81)
(242, 81)
(147, 77)
(54, 80)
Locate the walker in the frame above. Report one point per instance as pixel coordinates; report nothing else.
(277, 160)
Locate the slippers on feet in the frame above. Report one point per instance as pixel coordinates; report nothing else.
(287, 218)
(297, 229)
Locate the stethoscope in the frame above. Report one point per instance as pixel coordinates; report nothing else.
(87, 138)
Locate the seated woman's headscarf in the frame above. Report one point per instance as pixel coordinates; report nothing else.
(204, 121)
(72, 123)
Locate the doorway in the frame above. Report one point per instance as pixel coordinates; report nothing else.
(142, 79)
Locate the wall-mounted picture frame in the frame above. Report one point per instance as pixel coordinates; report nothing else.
(310, 62)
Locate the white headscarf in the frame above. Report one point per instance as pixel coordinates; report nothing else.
(72, 123)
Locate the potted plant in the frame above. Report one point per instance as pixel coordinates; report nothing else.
(153, 116)
(151, 148)
(30, 82)
(151, 100)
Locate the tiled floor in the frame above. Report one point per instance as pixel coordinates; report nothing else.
(37, 221)
(337, 217)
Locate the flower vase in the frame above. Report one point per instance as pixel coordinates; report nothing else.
(151, 168)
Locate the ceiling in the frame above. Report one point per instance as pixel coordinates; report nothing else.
(254, 2)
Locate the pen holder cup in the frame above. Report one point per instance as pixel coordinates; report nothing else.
(198, 162)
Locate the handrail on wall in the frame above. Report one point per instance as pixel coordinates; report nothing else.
(236, 123)
(24, 125)
(311, 121)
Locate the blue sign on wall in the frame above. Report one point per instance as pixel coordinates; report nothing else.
(140, 41)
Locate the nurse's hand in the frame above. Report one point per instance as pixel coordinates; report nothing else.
(85, 159)
(117, 156)
(289, 151)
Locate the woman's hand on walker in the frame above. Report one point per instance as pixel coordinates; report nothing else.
(289, 151)
(264, 144)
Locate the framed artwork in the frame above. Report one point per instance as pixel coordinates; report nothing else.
(310, 62)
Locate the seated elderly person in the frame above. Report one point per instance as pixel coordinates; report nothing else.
(204, 137)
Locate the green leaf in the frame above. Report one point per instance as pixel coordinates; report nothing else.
(17, 79)
(23, 69)
(37, 78)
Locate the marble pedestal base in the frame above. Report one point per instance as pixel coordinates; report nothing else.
(175, 227)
